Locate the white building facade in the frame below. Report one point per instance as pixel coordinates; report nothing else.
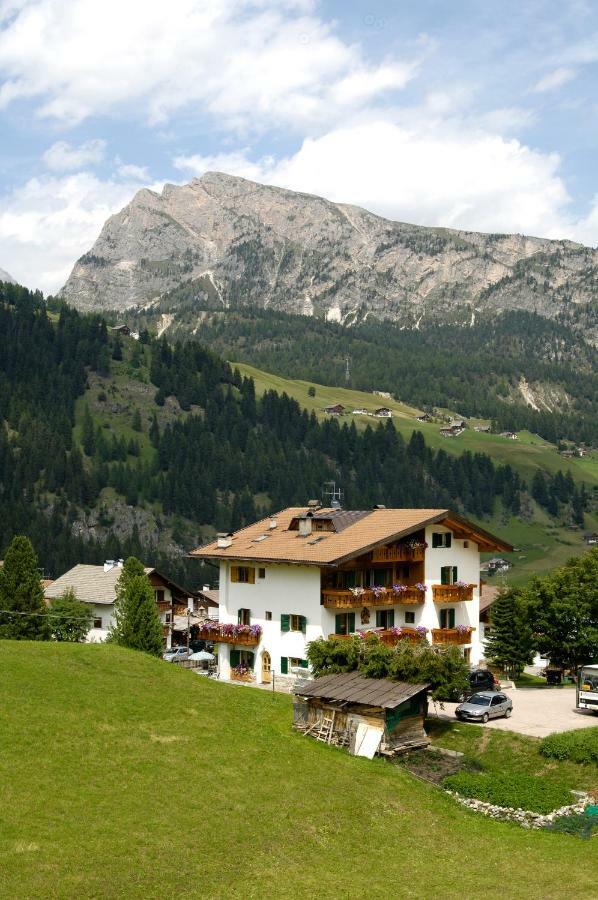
(418, 582)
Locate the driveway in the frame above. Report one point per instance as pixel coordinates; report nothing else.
(537, 712)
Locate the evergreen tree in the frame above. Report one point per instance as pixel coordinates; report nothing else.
(137, 622)
(21, 594)
(70, 619)
(510, 643)
(117, 349)
(137, 424)
(88, 434)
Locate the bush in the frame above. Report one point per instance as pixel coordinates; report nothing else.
(579, 746)
(580, 824)
(519, 791)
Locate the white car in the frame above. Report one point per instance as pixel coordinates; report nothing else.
(176, 653)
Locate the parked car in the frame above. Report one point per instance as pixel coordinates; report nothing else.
(482, 680)
(176, 653)
(483, 706)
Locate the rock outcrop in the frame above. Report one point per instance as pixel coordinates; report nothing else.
(221, 241)
(4, 276)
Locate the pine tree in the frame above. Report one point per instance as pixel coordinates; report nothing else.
(137, 424)
(21, 594)
(70, 619)
(510, 643)
(137, 623)
(88, 435)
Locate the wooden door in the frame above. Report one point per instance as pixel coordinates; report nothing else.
(266, 667)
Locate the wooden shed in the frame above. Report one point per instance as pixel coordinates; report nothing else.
(367, 715)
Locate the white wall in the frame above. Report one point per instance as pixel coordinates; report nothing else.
(285, 589)
(105, 611)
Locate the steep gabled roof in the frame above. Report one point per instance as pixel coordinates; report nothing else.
(354, 688)
(259, 542)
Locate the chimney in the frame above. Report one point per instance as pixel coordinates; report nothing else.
(273, 522)
(206, 587)
(305, 524)
(224, 540)
(109, 564)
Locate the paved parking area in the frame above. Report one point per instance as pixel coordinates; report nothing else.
(537, 712)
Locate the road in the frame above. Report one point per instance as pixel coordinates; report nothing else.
(537, 712)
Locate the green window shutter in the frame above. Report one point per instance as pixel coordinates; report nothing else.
(451, 618)
(390, 619)
(445, 575)
(338, 623)
(303, 663)
(303, 624)
(285, 622)
(436, 539)
(235, 657)
(455, 575)
(284, 665)
(239, 617)
(448, 539)
(351, 623)
(379, 614)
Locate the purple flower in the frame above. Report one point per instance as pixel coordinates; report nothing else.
(420, 586)
(461, 584)
(463, 629)
(399, 588)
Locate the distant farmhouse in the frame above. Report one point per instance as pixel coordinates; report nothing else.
(511, 435)
(360, 411)
(383, 412)
(337, 410)
(424, 418)
(482, 429)
(386, 395)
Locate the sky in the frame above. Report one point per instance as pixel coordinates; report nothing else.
(466, 114)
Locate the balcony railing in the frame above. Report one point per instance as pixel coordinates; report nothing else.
(398, 554)
(452, 635)
(346, 599)
(246, 635)
(452, 593)
(388, 636)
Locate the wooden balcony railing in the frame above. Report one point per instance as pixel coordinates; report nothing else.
(398, 554)
(451, 593)
(451, 635)
(344, 599)
(388, 636)
(219, 636)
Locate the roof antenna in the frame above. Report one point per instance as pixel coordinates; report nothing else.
(333, 493)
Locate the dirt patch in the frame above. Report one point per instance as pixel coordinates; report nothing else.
(435, 766)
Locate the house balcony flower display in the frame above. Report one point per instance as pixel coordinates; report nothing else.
(228, 633)
(452, 593)
(392, 636)
(241, 673)
(461, 634)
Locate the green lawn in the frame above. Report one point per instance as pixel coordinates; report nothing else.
(123, 776)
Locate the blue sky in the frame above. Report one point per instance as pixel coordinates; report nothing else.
(467, 114)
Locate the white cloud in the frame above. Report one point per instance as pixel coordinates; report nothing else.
(554, 80)
(454, 176)
(63, 157)
(248, 62)
(47, 223)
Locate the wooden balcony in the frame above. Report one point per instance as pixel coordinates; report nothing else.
(398, 554)
(451, 593)
(224, 637)
(386, 635)
(344, 599)
(451, 636)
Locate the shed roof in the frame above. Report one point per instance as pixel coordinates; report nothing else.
(354, 688)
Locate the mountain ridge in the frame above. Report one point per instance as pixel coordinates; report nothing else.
(222, 241)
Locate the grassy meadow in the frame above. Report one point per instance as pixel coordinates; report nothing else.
(125, 776)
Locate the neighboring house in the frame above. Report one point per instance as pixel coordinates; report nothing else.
(509, 434)
(96, 586)
(457, 424)
(450, 432)
(489, 595)
(360, 411)
(366, 715)
(424, 418)
(492, 566)
(383, 412)
(386, 395)
(121, 329)
(482, 429)
(337, 410)
(315, 572)
(591, 537)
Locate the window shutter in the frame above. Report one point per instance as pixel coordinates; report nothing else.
(455, 575)
(436, 539)
(250, 658)
(448, 539)
(285, 622)
(284, 665)
(451, 618)
(390, 619)
(378, 618)
(234, 573)
(338, 623)
(239, 617)
(251, 576)
(303, 624)
(235, 657)
(445, 575)
(303, 663)
(351, 618)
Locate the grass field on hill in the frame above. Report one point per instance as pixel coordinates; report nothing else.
(125, 776)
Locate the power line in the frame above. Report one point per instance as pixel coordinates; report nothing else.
(15, 612)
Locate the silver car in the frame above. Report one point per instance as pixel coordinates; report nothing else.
(176, 653)
(483, 706)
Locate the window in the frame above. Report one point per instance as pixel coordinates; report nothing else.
(466, 545)
(242, 574)
(97, 622)
(441, 539)
(261, 573)
(448, 575)
(241, 658)
(160, 596)
(385, 618)
(244, 617)
(291, 662)
(382, 577)
(409, 618)
(496, 701)
(167, 618)
(268, 616)
(292, 622)
(344, 623)
(447, 618)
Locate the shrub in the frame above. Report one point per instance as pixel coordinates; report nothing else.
(518, 791)
(580, 824)
(579, 746)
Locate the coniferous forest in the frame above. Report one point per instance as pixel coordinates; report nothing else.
(223, 459)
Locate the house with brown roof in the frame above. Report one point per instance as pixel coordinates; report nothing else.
(311, 572)
(96, 586)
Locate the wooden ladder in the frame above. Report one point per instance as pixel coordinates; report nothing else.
(326, 728)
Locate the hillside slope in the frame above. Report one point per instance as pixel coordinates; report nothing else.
(100, 747)
(223, 241)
